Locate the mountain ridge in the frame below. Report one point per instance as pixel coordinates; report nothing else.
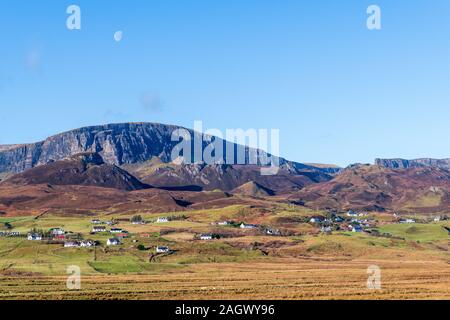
(118, 144)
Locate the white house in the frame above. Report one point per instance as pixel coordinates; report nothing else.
(407, 221)
(437, 219)
(116, 230)
(113, 242)
(34, 237)
(352, 213)
(87, 243)
(71, 244)
(57, 231)
(206, 237)
(316, 219)
(161, 249)
(97, 229)
(272, 232)
(326, 229)
(248, 226)
(162, 220)
(223, 223)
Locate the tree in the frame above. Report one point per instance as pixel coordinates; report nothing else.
(136, 219)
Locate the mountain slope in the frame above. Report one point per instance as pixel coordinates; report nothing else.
(118, 144)
(144, 150)
(253, 189)
(376, 188)
(200, 176)
(87, 169)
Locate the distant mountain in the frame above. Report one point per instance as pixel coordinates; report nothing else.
(87, 169)
(377, 188)
(144, 149)
(404, 164)
(200, 176)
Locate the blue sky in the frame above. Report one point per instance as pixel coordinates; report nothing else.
(338, 92)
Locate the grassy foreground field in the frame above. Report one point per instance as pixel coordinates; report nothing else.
(280, 279)
(305, 264)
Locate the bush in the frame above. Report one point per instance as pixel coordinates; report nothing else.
(137, 219)
(141, 247)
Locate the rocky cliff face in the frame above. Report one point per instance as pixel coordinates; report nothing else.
(417, 163)
(117, 144)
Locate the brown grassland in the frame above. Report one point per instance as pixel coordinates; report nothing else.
(282, 279)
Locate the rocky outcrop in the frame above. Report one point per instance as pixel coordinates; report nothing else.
(417, 163)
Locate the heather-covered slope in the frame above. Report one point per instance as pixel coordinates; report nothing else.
(375, 188)
(86, 169)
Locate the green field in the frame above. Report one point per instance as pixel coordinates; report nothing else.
(417, 232)
(22, 262)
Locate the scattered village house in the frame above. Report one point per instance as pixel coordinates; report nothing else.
(10, 234)
(71, 244)
(356, 228)
(34, 237)
(407, 221)
(87, 243)
(97, 229)
(96, 221)
(161, 249)
(317, 219)
(57, 231)
(248, 226)
(162, 220)
(206, 237)
(272, 232)
(352, 213)
(113, 242)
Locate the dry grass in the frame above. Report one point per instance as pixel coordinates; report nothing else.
(281, 279)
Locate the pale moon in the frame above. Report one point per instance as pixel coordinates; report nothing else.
(118, 36)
